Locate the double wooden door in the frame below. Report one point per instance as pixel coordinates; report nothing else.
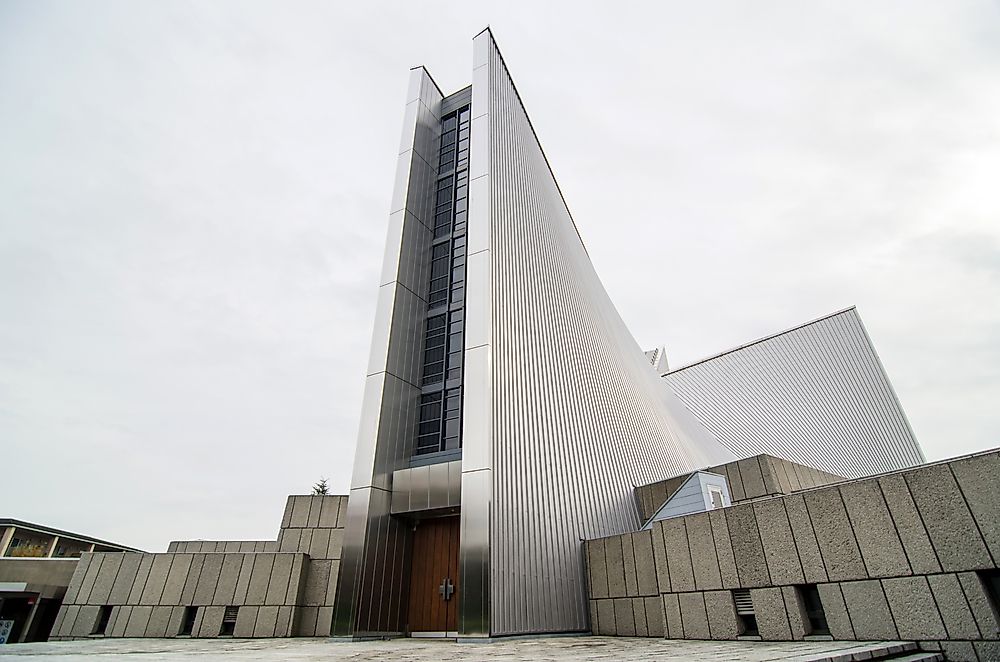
(434, 590)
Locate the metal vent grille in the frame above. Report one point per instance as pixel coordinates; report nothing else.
(230, 615)
(744, 604)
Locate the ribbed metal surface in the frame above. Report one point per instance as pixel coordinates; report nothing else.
(370, 591)
(743, 602)
(559, 450)
(816, 394)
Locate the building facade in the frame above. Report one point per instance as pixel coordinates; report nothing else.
(509, 416)
(37, 564)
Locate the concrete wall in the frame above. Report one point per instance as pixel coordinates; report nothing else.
(287, 590)
(894, 557)
(48, 577)
(751, 478)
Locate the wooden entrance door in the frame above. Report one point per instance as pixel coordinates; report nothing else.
(434, 590)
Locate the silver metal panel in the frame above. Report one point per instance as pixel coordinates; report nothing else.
(816, 394)
(371, 590)
(559, 450)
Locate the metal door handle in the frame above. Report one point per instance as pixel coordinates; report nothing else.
(446, 588)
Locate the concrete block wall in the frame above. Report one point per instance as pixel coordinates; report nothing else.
(896, 556)
(751, 478)
(283, 587)
(149, 592)
(314, 525)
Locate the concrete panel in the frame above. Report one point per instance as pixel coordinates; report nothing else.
(916, 543)
(153, 590)
(204, 591)
(987, 650)
(624, 617)
(277, 587)
(319, 544)
(874, 530)
(616, 566)
(694, 618)
(592, 604)
(675, 544)
(261, 575)
(176, 620)
(306, 626)
(297, 579)
(138, 621)
(119, 619)
(331, 591)
(194, 573)
(672, 616)
(722, 619)
(805, 540)
(105, 579)
(869, 611)
(645, 568)
(90, 578)
(69, 615)
(126, 577)
(180, 564)
(286, 618)
(772, 619)
(606, 618)
(660, 557)
(747, 547)
(628, 563)
(639, 610)
(979, 479)
(324, 618)
(141, 576)
(315, 508)
(286, 518)
(913, 608)
(795, 608)
(246, 619)
(209, 622)
(782, 557)
(328, 513)
(979, 603)
(653, 608)
(317, 581)
(704, 559)
(86, 621)
(961, 651)
(949, 523)
(288, 540)
(225, 589)
(724, 550)
(73, 590)
(753, 479)
(300, 512)
(159, 621)
(305, 541)
(841, 556)
(954, 608)
(836, 611)
(336, 543)
(736, 491)
(772, 479)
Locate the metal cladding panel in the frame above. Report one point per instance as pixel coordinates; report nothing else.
(563, 448)
(816, 394)
(370, 589)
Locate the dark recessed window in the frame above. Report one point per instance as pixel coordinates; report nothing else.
(745, 613)
(229, 622)
(814, 609)
(187, 623)
(103, 618)
(991, 583)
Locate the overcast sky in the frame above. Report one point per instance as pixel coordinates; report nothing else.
(194, 198)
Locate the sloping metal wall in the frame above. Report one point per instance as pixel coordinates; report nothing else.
(551, 455)
(371, 592)
(816, 394)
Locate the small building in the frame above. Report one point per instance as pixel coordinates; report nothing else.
(36, 565)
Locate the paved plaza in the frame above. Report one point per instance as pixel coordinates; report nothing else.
(554, 649)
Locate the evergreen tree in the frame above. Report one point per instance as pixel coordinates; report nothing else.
(321, 487)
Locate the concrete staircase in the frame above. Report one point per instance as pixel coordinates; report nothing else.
(895, 651)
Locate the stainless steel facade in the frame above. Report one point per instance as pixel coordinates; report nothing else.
(550, 454)
(816, 394)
